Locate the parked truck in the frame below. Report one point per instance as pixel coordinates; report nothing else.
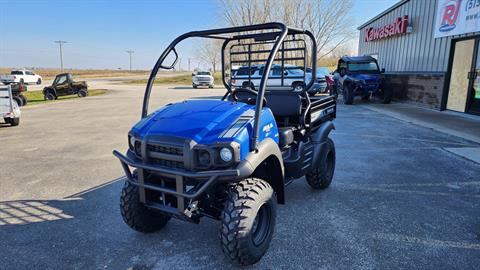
(21, 76)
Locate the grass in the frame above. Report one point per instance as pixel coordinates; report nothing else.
(184, 79)
(36, 97)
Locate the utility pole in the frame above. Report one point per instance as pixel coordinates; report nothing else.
(189, 59)
(130, 54)
(60, 43)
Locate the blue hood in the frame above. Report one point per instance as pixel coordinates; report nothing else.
(365, 77)
(202, 120)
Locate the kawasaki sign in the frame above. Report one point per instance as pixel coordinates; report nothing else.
(397, 27)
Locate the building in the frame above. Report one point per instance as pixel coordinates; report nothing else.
(430, 52)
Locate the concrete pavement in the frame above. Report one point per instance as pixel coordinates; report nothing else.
(398, 198)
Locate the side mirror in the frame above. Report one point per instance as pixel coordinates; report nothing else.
(285, 73)
(383, 70)
(193, 74)
(343, 72)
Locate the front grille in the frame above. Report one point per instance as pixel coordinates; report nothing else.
(203, 79)
(168, 163)
(166, 155)
(172, 150)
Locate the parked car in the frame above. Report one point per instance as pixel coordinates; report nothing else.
(293, 77)
(64, 85)
(9, 109)
(202, 78)
(229, 159)
(360, 76)
(21, 76)
(320, 84)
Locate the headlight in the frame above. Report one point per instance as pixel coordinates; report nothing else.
(204, 158)
(226, 154)
(131, 142)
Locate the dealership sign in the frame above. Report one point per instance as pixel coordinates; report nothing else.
(397, 27)
(455, 17)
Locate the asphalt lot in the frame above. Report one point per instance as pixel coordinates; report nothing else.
(398, 198)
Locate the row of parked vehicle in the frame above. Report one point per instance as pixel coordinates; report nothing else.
(13, 96)
(354, 76)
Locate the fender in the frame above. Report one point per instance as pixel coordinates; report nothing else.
(319, 138)
(266, 163)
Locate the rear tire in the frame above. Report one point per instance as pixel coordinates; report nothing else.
(386, 95)
(82, 93)
(24, 100)
(136, 215)
(347, 95)
(298, 86)
(19, 100)
(321, 176)
(248, 221)
(22, 81)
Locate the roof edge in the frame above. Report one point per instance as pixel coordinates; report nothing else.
(382, 14)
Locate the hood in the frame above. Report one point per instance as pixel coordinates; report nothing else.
(365, 77)
(202, 120)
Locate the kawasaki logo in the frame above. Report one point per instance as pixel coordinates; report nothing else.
(399, 26)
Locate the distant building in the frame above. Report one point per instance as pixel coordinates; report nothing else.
(430, 51)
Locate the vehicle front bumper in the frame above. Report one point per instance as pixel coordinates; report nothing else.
(205, 180)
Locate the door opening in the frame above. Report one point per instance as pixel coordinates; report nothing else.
(459, 82)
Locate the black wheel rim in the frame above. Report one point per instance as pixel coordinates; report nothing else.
(261, 225)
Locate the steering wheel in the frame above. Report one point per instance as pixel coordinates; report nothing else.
(249, 101)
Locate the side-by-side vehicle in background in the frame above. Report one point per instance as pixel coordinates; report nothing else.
(64, 85)
(231, 159)
(360, 76)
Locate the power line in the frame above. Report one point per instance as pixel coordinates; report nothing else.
(130, 52)
(60, 43)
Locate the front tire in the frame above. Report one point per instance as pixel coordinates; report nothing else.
(248, 221)
(347, 95)
(321, 176)
(49, 96)
(136, 215)
(39, 81)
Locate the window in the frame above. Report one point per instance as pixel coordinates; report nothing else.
(363, 66)
(61, 79)
(203, 73)
(29, 73)
(16, 72)
(243, 71)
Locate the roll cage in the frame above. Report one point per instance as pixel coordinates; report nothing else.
(273, 33)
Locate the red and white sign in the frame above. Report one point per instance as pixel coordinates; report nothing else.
(399, 26)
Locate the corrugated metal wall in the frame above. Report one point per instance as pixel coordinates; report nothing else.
(417, 51)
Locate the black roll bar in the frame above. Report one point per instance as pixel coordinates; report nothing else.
(217, 34)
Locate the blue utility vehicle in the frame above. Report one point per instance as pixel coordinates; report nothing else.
(360, 76)
(230, 159)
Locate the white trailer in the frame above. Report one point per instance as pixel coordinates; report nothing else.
(9, 109)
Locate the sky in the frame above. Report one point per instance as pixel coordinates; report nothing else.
(99, 32)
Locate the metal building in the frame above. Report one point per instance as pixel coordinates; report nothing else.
(430, 51)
